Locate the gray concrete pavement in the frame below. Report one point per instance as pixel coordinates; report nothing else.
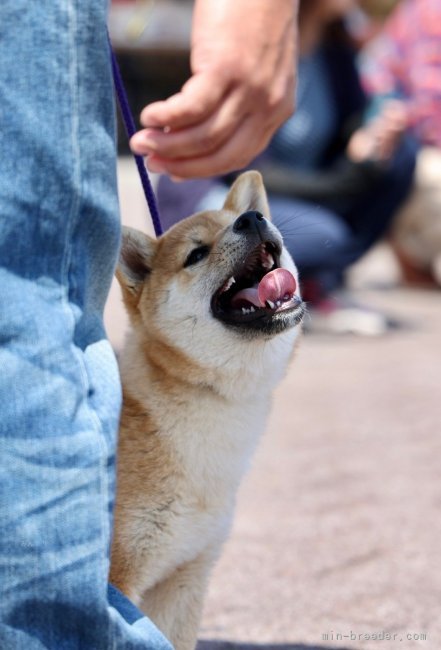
(338, 524)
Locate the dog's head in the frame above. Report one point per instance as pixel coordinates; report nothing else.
(214, 281)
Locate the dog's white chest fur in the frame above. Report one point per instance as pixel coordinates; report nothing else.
(212, 455)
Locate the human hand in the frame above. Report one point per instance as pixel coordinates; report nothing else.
(378, 140)
(240, 92)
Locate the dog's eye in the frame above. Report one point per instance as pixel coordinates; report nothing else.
(196, 255)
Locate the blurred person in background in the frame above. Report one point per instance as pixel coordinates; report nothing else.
(401, 67)
(335, 175)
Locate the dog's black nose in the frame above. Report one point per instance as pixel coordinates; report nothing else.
(250, 221)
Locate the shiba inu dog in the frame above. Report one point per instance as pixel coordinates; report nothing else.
(215, 312)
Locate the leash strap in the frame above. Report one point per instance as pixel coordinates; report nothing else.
(130, 128)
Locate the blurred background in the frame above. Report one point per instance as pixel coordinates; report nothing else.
(336, 538)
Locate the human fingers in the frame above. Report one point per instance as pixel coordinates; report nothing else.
(388, 133)
(197, 100)
(198, 140)
(234, 154)
(213, 129)
(213, 133)
(361, 146)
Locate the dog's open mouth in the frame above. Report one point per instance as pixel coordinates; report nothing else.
(258, 290)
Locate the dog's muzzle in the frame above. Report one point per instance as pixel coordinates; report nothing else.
(259, 291)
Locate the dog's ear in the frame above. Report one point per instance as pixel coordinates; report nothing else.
(135, 262)
(248, 193)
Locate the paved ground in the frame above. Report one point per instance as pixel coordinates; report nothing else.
(338, 525)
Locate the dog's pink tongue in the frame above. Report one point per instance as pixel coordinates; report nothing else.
(276, 285)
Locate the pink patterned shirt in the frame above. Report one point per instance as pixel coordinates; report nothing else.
(405, 61)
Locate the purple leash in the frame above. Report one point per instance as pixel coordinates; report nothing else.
(129, 124)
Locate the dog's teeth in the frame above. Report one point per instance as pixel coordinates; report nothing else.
(268, 262)
(251, 309)
(244, 310)
(270, 304)
(229, 283)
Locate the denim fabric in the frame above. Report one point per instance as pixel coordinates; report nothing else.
(59, 385)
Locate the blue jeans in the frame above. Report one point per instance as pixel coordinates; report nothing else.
(323, 243)
(59, 384)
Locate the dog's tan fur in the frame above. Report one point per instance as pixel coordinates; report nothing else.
(196, 396)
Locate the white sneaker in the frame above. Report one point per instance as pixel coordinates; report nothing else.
(338, 314)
